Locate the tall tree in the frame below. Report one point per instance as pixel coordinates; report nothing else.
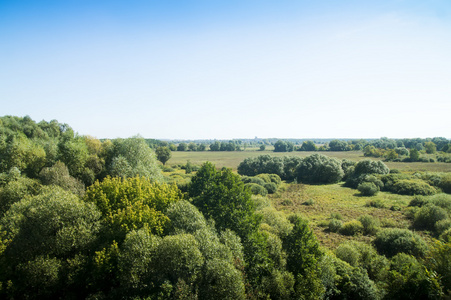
(163, 154)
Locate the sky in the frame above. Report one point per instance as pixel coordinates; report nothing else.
(202, 69)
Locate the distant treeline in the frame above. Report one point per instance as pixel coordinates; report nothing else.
(429, 145)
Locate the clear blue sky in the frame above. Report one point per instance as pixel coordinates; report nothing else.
(230, 69)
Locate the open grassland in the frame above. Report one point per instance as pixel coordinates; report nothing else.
(317, 202)
(233, 158)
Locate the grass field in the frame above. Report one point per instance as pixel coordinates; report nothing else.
(334, 198)
(233, 158)
(317, 202)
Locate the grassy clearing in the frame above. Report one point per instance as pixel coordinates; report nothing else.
(335, 198)
(318, 202)
(232, 159)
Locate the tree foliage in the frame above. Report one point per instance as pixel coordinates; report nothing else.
(221, 195)
(319, 168)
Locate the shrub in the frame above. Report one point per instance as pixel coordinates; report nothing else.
(275, 178)
(413, 187)
(270, 187)
(309, 202)
(368, 189)
(252, 166)
(348, 253)
(428, 215)
(442, 225)
(256, 189)
(409, 279)
(58, 175)
(418, 201)
(277, 221)
(363, 168)
(370, 224)
(395, 208)
(441, 200)
(446, 236)
(265, 177)
(335, 225)
(337, 216)
(378, 203)
(370, 167)
(319, 168)
(255, 179)
(445, 183)
(351, 228)
(393, 241)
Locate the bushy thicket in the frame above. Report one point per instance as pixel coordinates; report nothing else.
(262, 184)
(393, 241)
(363, 169)
(318, 168)
(315, 168)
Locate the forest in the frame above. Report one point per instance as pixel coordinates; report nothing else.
(88, 218)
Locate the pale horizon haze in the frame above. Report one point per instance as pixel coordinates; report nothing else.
(230, 69)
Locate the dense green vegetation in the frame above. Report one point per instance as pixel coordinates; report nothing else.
(88, 219)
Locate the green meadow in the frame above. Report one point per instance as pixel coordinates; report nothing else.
(231, 159)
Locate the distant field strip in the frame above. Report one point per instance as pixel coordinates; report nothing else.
(231, 159)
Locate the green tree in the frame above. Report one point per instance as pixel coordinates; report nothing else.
(131, 157)
(308, 146)
(318, 168)
(216, 146)
(430, 147)
(182, 147)
(192, 147)
(414, 154)
(337, 145)
(282, 146)
(59, 175)
(163, 154)
(132, 203)
(221, 195)
(49, 236)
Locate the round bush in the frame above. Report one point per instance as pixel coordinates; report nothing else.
(445, 183)
(368, 189)
(351, 228)
(256, 189)
(370, 224)
(255, 179)
(413, 187)
(370, 167)
(265, 177)
(442, 225)
(418, 201)
(428, 215)
(275, 178)
(270, 187)
(335, 225)
(346, 252)
(395, 240)
(446, 236)
(185, 216)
